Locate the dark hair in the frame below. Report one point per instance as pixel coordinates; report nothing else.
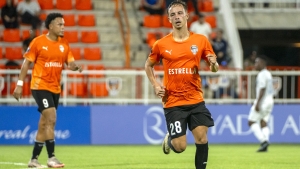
(177, 2)
(51, 17)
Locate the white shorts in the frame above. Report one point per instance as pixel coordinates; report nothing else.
(264, 113)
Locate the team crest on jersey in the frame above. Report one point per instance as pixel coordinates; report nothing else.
(194, 49)
(61, 48)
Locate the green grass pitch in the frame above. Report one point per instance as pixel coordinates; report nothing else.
(221, 156)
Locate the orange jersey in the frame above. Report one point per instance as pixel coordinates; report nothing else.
(181, 61)
(49, 58)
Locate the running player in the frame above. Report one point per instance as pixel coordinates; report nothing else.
(181, 52)
(49, 52)
(263, 105)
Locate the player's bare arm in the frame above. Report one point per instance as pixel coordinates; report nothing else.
(213, 64)
(260, 96)
(24, 69)
(159, 90)
(74, 67)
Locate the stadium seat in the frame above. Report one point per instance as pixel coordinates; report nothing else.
(86, 20)
(97, 84)
(95, 67)
(46, 4)
(166, 22)
(211, 19)
(83, 4)
(71, 36)
(153, 37)
(77, 85)
(26, 34)
(43, 16)
(69, 20)
(45, 31)
(11, 35)
(92, 53)
(89, 36)
(206, 6)
(64, 4)
(13, 53)
(1, 54)
(2, 3)
(152, 21)
(76, 51)
(98, 89)
(26, 87)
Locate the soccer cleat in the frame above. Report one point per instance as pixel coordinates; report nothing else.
(33, 163)
(165, 146)
(263, 147)
(53, 162)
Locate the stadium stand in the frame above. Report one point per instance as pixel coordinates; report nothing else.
(46, 4)
(71, 36)
(76, 51)
(13, 53)
(84, 4)
(90, 53)
(86, 20)
(11, 35)
(69, 20)
(64, 5)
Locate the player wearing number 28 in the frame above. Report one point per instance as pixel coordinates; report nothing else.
(181, 52)
(49, 52)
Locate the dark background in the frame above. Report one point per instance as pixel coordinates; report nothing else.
(282, 47)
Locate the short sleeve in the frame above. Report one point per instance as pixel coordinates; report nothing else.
(70, 57)
(32, 51)
(207, 49)
(154, 55)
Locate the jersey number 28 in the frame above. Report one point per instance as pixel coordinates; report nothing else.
(175, 127)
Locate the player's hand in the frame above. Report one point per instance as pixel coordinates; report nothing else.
(159, 91)
(212, 59)
(18, 92)
(79, 68)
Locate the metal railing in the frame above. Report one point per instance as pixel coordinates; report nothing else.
(266, 5)
(133, 87)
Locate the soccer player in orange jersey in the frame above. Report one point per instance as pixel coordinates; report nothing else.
(49, 52)
(181, 52)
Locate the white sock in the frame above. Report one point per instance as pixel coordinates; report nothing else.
(255, 127)
(266, 132)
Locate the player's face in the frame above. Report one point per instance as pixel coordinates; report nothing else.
(178, 16)
(258, 64)
(57, 26)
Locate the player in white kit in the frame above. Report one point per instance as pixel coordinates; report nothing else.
(261, 110)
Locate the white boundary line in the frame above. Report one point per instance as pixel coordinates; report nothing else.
(18, 164)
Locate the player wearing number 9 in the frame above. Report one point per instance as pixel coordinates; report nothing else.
(181, 52)
(49, 52)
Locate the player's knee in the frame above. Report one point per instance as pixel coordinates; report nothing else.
(263, 123)
(202, 140)
(50, 117)
(179, 146)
